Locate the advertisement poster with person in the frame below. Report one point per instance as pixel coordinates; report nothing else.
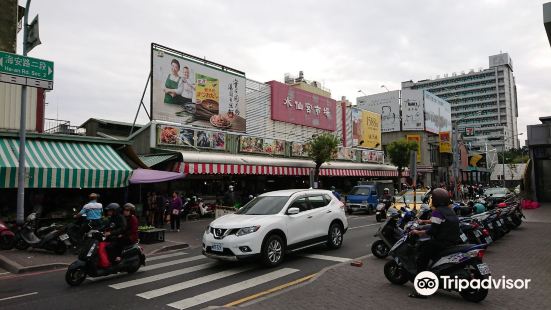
(192, 91)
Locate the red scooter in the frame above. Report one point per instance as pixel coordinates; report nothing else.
(7, 237)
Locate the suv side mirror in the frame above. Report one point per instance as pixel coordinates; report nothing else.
(292, 211)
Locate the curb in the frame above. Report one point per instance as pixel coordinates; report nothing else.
(16, 268)
(170, 248)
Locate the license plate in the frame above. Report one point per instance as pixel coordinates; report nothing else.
(491, 225)
(510, 219)
(498, 224)
(463, 237)
(477, 233)
(488, 240)
(63, 237)
(483, 268)
(217, 247)
(378, 212)
(502, 221)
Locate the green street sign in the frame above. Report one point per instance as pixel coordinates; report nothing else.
(13, 64)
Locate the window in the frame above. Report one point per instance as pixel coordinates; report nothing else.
(317, 201)
(301, 204)
(264, 205)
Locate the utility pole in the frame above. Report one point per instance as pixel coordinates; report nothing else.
(22, 128)
(503, 158)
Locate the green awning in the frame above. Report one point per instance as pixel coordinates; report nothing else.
(62, 164)
(152, 160)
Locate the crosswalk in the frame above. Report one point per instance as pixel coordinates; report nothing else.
(196, 280)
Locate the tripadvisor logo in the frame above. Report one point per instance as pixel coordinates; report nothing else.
(427, 283)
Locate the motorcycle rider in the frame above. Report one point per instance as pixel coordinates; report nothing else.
(131, 233)
(444, 231)
(115, 228)
(386, 198)
(93, 211)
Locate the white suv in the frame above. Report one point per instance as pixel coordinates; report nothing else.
(275, 223)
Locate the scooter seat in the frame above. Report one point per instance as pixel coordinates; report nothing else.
(456, 249)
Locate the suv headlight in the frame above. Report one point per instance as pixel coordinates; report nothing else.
(247, 230)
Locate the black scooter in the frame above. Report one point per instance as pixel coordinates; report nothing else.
(388, 234)
(52, 238)
(132, 258)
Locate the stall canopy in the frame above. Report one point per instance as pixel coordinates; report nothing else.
(63, 164)
(153, 176)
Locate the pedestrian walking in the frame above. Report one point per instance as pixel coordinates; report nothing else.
(174, 211)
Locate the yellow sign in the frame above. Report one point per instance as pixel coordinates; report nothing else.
(371, 130)
(473, 161)
(416, 138)
(445, 143)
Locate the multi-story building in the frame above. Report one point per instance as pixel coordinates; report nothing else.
(485, 100)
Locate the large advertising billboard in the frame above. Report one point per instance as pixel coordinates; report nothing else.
(366, 129)
(191, 91)
(183, 136)
(417, 139)
(297, 106)
(387, 104)
(412, 110)
(438, 114)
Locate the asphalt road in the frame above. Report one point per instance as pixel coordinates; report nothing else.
(182, 280)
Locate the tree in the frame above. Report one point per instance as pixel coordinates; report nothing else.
(322, 148)
(399, 155)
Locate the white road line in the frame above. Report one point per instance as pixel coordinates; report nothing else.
(231, 289)
(18, 296)
(326, 257)
(351, 228)
(157, 257)
(191, 283)
(172, 262)
(3, 273)
(161, 276)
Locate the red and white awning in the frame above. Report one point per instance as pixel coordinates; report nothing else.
(237, 169)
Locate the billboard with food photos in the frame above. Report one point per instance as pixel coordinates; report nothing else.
(372, 156)
(185, 136)
(413, 117)
(261, 145)
(195, 92)
(346, 153)
(387, 104)
(299, 149)
(296, 106)
(438, 113)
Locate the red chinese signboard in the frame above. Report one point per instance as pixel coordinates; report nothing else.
(296, 106)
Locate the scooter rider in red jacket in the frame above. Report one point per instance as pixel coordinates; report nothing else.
(131, 232)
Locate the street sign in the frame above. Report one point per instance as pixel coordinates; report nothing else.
(469, 131)
(13, 64)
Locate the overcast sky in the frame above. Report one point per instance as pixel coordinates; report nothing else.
(101, 48)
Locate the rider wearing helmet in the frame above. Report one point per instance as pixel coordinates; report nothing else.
(444, 230)
(131, 232)
(386, 198)
(114, 231)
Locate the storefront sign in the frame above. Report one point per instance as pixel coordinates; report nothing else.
(416, 138)
(346, 153)
(262, 146)
(445, 142)
(181, 136)
(296, 106)
(372, 156)
(299, 149)
(188, 90)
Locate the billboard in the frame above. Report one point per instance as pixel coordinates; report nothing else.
(182, 136)
(346, 153)
(438, 114)
(387, 104)
(299, 149)
(261, 145)
(412, 110)
(192, 91)
(296, 106)
(366, 129)
(445, 142)
(372, 156)
(416, 138)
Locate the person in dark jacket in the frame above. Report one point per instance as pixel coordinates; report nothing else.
(131, 234)
(174, 210)
(114, 231)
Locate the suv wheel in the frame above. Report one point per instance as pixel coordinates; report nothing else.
(273, 251)
(335, 236)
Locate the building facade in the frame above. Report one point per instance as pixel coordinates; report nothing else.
(484, 101)
(539, 144)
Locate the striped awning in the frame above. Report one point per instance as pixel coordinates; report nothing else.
(237, 169)
(153, 160)
(61, 164)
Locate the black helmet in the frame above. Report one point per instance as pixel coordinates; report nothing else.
(440, 197)
(112, 206)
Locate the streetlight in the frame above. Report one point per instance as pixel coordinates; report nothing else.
(503, 153)
(361, 91)
(382, 86)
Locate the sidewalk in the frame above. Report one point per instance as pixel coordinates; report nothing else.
(17, 261)
(523, 254)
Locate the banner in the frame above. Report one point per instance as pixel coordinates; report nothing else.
(262, 146)
(477, 160)
(445, 142)
(387, 105)
(296, 106)
(181, 136)
(346, 153)
(416, 138)
(189, 90)
(299, 149)
(372, 156)
(413, 117)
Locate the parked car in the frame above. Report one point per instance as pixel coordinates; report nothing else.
(276, 223)
(407, 199)
(495, 195)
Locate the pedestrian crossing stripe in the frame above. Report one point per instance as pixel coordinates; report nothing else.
(172, 262)
(158, 257)
(231, 289)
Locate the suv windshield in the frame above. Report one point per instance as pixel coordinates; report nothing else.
(409, 198)
(363, 191)
(265, 205)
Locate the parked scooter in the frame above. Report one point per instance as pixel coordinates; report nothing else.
(7, 237)
(89, 260)
(54, 239)
(388, 234)
(461, 261)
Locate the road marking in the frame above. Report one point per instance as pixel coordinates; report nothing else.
(161, 276)
(266, 292)
(326, 257)
(351, 228)
(191, 283)
(18, 296)
(231, 289)
(172, 262)
(157, 257)
(3, 273)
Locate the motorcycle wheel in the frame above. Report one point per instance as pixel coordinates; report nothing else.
(394, 273)
(21, 244)
(134, 268)
(379, 249)
(7, 242)
(378, 218)
(60, 248)
(74, 277)
(474, 295)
